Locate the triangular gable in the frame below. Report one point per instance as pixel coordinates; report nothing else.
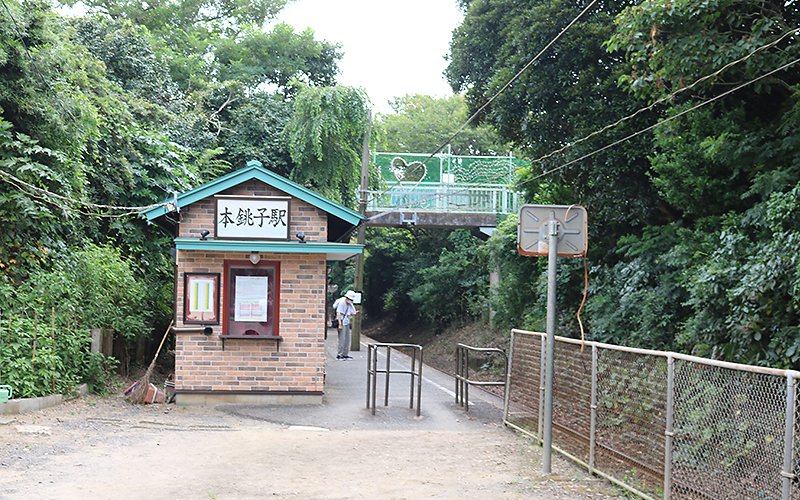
(254, 170)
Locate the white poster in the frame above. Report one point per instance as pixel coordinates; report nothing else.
(251, 298)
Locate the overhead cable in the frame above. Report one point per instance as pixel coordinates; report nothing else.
(502, 89)
(610, 126)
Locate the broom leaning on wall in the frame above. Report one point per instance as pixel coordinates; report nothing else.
(143, 384)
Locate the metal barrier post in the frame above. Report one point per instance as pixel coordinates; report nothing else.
(388, 371)
(668, 431)
(419, 383)
(466, 377)
(593, 405)
(458, 372)
(372, 374)
(462, 373)
(374, 379)
(788, 469)
(413, 366)
(369, 371)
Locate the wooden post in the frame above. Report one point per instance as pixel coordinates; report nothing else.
(35, 322)
(53, 344)
(355, 338)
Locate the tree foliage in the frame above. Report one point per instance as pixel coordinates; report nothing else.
(326, 139)
(435, 277)
(423, 124)
(568, 94)
(692, 227)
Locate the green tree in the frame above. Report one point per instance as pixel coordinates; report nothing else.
(423, 124)
(255, 129)
(326, 140)
(69, 129)
(721, 281)
(567, 95)
(281, 57)
(735, 152)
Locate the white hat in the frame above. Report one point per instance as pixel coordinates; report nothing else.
(350, 295)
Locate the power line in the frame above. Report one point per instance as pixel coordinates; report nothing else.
(14, 181)
(502, 89)
(618, 122)
(684, 112)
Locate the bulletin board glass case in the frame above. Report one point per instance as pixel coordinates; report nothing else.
(251, 299)
(201, 298)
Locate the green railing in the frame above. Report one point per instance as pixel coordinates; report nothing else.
(447, 183)
(440, 197)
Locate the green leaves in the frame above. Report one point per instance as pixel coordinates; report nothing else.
(325, 140)
(422, 124)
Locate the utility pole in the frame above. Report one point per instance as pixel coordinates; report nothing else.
(355, 338)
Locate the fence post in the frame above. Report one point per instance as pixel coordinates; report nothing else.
(668, 432)
(541, 391)
(508, 378)
(593, 424)
(788, 440)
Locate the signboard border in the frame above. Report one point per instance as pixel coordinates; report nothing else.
(287, 199)
(584, 230)
(188, 278)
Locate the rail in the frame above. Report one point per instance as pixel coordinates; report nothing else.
(447, 197)
(462, 371)
(372, 372)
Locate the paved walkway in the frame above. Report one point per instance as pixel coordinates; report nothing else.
(344, 405)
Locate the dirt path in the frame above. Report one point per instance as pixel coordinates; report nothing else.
(97, 448)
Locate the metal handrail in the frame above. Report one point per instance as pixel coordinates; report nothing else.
(462, 372)
(372, 373)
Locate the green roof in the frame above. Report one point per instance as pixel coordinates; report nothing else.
(333, 251)
(254, 170)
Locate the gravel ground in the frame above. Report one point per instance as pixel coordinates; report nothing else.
(94, 448)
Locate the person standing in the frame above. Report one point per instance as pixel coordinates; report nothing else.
(344, 311)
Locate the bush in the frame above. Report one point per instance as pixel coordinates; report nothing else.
(44, 331)
(39, 357)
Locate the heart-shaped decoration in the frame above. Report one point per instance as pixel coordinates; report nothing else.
(408, 172)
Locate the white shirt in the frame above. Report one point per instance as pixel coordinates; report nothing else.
(346, 309)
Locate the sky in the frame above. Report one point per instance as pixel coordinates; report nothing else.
(391, 48)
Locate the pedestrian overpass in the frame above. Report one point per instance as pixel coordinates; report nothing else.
(448, 191)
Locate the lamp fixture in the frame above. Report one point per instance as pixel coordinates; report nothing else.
(255, 258)
(204, 234)
(301, 237)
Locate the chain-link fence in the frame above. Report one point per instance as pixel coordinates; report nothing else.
(664, 425)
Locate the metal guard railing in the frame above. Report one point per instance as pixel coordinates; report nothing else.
(462, 371)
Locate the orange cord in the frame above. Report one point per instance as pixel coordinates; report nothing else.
(585, 278)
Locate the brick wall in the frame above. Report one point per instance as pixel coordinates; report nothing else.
(303, 217)
(297, 363)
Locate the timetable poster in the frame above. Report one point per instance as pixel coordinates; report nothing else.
(251, 298)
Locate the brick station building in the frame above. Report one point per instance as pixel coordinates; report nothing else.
(251, 252)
